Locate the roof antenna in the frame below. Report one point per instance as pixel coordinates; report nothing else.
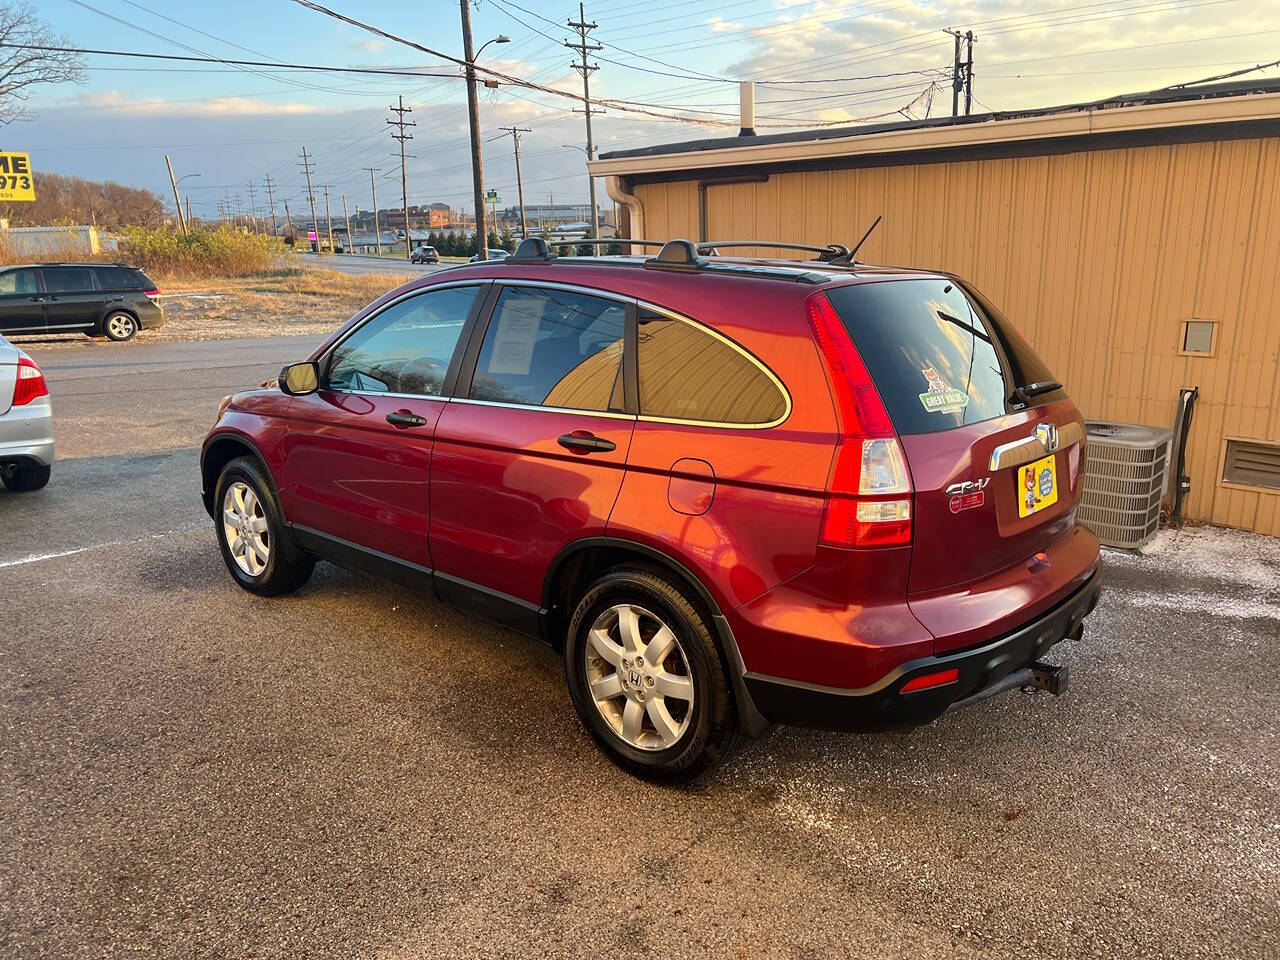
(858, 246)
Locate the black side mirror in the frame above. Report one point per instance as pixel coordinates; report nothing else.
(299, 379)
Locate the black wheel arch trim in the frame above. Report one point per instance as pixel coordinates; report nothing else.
(207, 491)
(753, 722)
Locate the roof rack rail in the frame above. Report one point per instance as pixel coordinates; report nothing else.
(600, 242)
(826, 254)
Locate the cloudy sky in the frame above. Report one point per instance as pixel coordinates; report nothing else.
(860, 59)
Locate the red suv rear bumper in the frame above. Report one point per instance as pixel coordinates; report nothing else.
(885, 706)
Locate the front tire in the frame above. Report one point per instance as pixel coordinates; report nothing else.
(647, 678)
(27, 477)
(258, 551)
(120, 326)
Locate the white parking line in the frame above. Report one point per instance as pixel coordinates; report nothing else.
(36, 557)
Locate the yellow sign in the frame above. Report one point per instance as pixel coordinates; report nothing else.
(1037, 486)
(15, 177)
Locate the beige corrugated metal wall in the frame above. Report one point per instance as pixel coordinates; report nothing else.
(1097, 256)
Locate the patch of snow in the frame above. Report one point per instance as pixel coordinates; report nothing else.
(1213, 604)
(1214, 553)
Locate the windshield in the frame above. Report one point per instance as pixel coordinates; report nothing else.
(938, 358)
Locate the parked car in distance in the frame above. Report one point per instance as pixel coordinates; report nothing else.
(732, 492)
(99, 299)
(424, 254)
(26, 421)
(495, 253)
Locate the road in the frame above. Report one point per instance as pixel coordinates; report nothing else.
(191, 771)
(360, 264)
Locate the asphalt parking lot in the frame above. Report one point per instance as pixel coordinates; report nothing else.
(354, 771)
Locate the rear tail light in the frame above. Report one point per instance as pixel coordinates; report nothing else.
(868, 503)
(30, 383)
(151, 294)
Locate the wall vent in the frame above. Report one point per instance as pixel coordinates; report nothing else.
(1253, 463)
(1124, 482)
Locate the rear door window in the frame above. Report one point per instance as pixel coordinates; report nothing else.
(68, 279)
(405, 349)
(552, 348)
(938, 359)
(687, 373)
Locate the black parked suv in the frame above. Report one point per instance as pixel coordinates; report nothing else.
(99, 299)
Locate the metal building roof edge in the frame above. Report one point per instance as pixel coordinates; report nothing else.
(1217, 104)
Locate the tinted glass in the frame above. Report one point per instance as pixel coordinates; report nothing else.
(68, 280)
(116, 278)
(404, 349)
(687, 374)
(18, 282)
(932, 352)
(552, 348)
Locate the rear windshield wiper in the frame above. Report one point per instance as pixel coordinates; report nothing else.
(943, 315)
(1024, 394)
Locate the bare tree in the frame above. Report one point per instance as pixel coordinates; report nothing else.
(22, 65)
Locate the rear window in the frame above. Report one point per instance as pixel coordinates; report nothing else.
(938, 357)
(118, 278)
(686, 373)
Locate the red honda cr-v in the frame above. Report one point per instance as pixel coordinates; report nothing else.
(733, 492)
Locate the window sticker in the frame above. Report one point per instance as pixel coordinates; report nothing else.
(517, 333)
(941, 397)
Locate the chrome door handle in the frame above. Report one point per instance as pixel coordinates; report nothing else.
(580, 441)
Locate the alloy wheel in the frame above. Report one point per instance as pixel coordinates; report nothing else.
(639, 677)
(244, 525)
(121, 326)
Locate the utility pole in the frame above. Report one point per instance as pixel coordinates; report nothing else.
(347, 217)
(306, 168)
(956, 82)
(238, 215)
(515, 137)
(188, 209)
(271, 202)
(968, 73)
(182, 221)
(586, 69)
(253, 205)
(400, 123)
(962, 72)
(473, 120)
(288, 222)
(328, 220)
(377, 225)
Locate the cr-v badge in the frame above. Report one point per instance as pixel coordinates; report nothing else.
(967, 494)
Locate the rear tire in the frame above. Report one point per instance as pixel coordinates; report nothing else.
(28, 477)
(120, 326)
(256, 547)
(669, 721)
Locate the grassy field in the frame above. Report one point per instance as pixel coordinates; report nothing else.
(285, 300)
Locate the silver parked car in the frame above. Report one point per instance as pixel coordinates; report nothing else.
(26, 421)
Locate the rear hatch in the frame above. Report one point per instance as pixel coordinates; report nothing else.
(949, 369)
(8, 373)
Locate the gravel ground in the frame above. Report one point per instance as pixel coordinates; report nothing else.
(355, 771)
